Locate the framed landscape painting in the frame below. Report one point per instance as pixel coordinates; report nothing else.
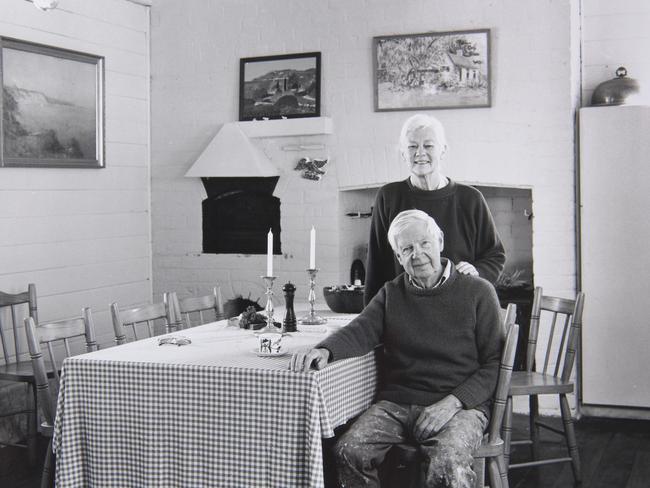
(436, 70)
(52, 107)
(275, 87)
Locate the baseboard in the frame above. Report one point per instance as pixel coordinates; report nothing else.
(615, 412)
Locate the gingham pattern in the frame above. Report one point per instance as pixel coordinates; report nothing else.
(166, 423)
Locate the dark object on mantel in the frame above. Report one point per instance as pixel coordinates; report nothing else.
(238, 214)
(522, 296)
(617, 91)
(357, 273)
(344, 299)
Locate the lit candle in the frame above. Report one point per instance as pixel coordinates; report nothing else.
(269, 254)
(312, 248)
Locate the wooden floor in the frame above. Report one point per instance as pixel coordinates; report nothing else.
(615, 454)
(14, 470)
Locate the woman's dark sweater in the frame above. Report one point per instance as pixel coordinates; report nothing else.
(459, 210)
(439, 341)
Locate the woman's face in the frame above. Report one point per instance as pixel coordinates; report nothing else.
(423, 151)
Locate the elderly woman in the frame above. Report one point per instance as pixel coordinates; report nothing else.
(471, 239)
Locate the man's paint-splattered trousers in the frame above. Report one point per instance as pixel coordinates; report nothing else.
(447, 454)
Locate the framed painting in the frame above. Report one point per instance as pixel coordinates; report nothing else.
(436, 70)
(276, 87)
(52, 107)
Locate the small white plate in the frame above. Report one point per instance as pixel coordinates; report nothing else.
(282, 352)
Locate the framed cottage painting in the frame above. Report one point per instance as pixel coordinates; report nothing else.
(436, 70)
(284, 86)
(52, 107)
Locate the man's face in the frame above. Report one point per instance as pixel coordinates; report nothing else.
(419, 252)
(423, 151)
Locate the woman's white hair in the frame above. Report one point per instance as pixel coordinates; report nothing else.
(419, 121)
(407, 218)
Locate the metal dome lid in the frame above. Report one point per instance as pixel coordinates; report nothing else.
(617, 91)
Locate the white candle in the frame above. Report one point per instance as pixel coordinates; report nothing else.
(269, 254)
(312, 248)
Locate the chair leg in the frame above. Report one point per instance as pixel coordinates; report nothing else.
(570, 435)
(503, 471)
(48, 468)
(533, 403)
(506, 430)
(32, 425)
(493, 471)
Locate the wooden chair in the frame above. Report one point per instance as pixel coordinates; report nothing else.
(548, 378)
(492, 448)
(15, 370)
(151, 316)
(199, 310)
(53, 335)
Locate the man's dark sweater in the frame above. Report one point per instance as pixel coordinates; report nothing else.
(459, 210)
(439, 341)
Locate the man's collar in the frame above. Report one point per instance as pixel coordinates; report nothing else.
(445, 275)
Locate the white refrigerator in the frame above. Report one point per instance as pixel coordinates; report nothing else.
(614, 197)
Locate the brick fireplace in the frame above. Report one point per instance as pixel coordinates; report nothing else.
(511, 208)
(512, 211)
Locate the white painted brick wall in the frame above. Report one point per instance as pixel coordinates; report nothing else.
(614, 34)
(82, 235)
(525, 139)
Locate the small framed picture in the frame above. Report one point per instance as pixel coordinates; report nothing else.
(437, 70)
(275, 87)
(52, 107)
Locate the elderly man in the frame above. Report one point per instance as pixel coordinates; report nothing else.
(442, 338)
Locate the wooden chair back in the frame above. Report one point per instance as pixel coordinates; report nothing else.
(505, 374)
(147, 317)
(565, 317)
(46, 397)
(15, 307)
(493, 446)
(57, 337)
(202, 309)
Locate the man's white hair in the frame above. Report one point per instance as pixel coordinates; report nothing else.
(419, 121)
(407, 218)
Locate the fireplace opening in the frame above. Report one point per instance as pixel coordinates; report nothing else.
(238, 214)
(511, 209)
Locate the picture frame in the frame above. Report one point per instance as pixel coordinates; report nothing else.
(435, 70)
(52, 105)
(282, 86)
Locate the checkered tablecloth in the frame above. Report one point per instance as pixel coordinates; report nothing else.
(212, 413)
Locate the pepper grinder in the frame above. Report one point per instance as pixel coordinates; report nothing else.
(289, 322)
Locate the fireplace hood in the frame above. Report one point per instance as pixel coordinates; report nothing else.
(231, 154)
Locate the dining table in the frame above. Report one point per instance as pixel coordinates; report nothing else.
(211, 413)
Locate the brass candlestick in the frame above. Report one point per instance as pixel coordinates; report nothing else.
(311, 318)
(270, 327)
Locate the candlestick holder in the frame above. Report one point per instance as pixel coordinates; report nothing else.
(270, 327)
(311, 318)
